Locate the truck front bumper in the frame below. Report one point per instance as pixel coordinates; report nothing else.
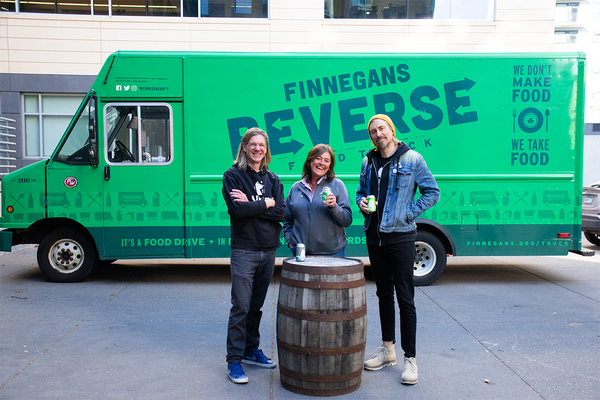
(590, 223)
(5, 240)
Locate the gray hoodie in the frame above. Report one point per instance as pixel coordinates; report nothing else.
(320, 228)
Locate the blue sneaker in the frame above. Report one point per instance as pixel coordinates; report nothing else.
(256, 357)
(236, 372)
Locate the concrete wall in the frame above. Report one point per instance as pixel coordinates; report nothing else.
(78, 45)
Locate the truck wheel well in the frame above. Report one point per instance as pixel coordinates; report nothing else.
(38, 230)
(438, 230)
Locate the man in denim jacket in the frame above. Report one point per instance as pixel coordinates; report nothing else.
(392, 172)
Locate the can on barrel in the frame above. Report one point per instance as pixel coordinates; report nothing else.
(326, 192)
(300, 252)
(371, 205)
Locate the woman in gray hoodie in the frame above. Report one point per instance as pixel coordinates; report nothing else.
(309, 219)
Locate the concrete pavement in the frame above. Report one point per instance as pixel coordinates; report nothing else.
(156, 330)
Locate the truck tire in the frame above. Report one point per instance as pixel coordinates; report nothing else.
(430, 259)
(67, 255)
(593, 238)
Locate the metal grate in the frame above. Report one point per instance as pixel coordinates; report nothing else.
(5, 152)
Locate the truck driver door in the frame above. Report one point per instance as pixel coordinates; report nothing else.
(143, 180)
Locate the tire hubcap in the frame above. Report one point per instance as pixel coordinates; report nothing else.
(425, 259)
(66, 256)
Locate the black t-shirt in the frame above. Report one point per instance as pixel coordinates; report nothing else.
(379, 189)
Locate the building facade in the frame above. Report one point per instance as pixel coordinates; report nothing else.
(50, 51)
(577, 28)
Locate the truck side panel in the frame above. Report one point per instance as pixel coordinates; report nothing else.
(499, 132)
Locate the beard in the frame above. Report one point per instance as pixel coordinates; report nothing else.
(383, 145)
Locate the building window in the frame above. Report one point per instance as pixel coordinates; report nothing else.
(565, 37)
(45, 119)
(410, 9)
(167, 8)
(234, 8)
(55, 6)
(566, 12)
(7, 5)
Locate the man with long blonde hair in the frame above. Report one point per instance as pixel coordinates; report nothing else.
(256, 207)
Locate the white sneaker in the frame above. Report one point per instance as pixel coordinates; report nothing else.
(385, 357)
(410, 375)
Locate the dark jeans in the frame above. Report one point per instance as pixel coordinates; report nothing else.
(392, 267)
(251, 273)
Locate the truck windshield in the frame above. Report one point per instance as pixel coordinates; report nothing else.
(75, 148)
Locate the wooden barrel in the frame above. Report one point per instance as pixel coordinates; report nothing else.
(321, 325)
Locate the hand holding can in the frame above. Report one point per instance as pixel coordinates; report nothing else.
(371, 204)
(325, 197)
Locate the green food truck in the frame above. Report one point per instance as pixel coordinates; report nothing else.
(138, 172)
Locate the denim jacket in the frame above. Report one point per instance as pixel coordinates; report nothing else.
(407, 171)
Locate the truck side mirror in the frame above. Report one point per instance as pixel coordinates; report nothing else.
(93, 130)
(92, 126)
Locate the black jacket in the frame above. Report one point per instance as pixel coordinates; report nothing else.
(253, 226)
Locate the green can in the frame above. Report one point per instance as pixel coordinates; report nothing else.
(371, 204)
(326, 192)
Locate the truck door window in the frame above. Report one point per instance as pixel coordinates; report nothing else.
(138, 133)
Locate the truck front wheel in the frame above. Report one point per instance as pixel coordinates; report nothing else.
(430, 259)
(67, 255)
